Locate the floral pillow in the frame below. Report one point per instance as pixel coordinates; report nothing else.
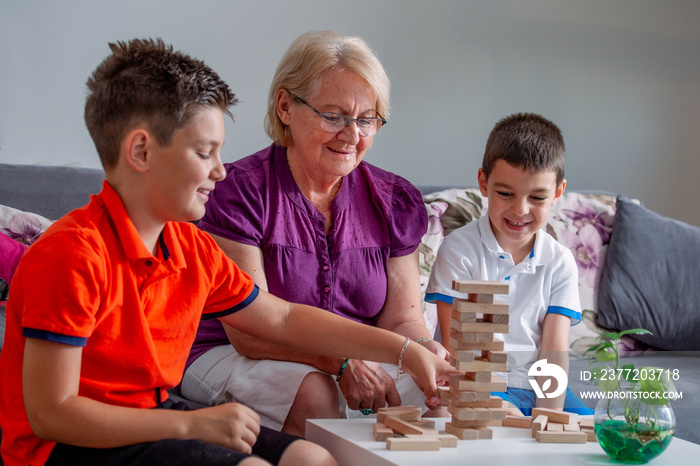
(17, 231)
(581, 221)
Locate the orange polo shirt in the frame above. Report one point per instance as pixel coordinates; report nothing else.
(90, 281)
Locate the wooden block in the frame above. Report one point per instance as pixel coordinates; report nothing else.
(483, 414)
(464, 317)
(586, 422)
(521, 422)
(463, 355)
(590, 434)
(496, 318)
(461, 383)
(427, 424)
(480, 286)
(404, 427)
(548, 436)
(444, 393)
(476, 414)
(461, 414)
(406, 413)
(473, 424)
(480, 326)
(554, 426)
(420, 443)
(484, 433)
(491, 402)
(479, 365)
(479, 338)
(555, 415)
(446, 440)
(572, 428)
(462, 396)
(480, 298)
(497, 307)
(480, 376)
(457, 343)
(538, 423)
(496, 356)
(498, 414)
(461, 432)
(382, 432)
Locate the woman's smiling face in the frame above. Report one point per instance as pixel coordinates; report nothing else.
(331, 153)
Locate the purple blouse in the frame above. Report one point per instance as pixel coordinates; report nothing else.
(376, 215)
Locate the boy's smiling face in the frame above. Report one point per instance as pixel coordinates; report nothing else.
(519, 204)
(185, 171)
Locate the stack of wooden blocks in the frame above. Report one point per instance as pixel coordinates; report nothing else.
(402, 428)
(473, 324)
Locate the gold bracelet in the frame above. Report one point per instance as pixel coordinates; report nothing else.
(403, 350)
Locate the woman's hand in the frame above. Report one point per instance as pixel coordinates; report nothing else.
(367, 385)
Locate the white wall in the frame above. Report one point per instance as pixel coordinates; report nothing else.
(621, 78)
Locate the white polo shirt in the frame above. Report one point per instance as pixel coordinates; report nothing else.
(544, 282)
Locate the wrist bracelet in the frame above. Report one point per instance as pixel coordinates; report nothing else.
(423, 339)
(403, 350)
(342, 368)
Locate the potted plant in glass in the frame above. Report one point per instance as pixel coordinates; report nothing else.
(634, 421)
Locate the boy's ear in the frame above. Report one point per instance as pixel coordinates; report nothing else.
(560, 190)
(137, 145)
(284, 105)
(482, 182)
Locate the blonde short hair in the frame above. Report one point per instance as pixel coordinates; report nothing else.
(313, 53)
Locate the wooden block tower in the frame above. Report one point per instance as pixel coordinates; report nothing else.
(476, 352)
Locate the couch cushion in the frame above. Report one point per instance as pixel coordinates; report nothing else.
(649, 279)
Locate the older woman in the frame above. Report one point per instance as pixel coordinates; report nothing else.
(313, 223)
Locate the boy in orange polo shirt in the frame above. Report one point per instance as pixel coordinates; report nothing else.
(104, 307)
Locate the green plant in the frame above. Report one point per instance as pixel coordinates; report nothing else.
(650, 383)
(634, 421)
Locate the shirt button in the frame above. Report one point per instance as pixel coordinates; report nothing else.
(325, 268)
(149, 263)
(327, 289)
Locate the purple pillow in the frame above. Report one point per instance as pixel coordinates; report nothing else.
(11, 252)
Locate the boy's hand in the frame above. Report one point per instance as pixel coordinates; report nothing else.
(427, 369)
(367, 385)
(231, 425)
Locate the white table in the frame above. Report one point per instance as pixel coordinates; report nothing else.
(352, 443)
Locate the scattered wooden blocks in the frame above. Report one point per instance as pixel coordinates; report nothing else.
(546, 430)
(402, 428)
(555, 415)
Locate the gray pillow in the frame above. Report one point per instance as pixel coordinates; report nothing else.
(650, 278)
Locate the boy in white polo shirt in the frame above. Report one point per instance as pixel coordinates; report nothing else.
(522, 176)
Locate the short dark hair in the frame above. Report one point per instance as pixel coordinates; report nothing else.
(526, 140)
(143, 81)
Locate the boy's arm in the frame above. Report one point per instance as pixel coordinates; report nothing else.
(554, 347)
(310, 329)
(50, 382)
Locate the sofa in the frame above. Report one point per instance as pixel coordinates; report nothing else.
(635, 266)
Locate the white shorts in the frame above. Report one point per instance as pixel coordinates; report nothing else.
(268, 387)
